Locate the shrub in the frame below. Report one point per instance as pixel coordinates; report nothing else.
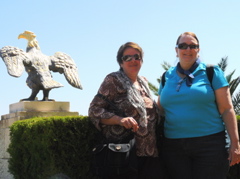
(43, 147)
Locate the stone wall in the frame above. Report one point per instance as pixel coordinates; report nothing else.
(25, 110)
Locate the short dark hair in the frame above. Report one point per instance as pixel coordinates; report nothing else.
(124, 47)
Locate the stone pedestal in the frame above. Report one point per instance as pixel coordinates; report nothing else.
(25, 110)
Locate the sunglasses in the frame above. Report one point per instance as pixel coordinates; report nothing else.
(128, 58)
(184, 46)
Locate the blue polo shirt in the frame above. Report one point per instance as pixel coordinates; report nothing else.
(191, 111)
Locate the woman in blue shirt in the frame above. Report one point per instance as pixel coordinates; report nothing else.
(196, 115)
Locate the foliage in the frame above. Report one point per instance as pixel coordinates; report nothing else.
(153, 88)
(43, 147)
(233, 84)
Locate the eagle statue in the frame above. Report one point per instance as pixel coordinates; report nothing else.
(38, 67)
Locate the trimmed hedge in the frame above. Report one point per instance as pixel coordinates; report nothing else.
(41, 148)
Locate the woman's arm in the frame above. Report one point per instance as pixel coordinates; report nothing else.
(160, 106)
(99, 110)
(225, 107)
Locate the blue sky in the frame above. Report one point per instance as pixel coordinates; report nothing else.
(91, 31)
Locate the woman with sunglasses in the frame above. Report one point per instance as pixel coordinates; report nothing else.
(131, 94)
(196, 116)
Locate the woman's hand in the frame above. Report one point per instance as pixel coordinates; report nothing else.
(129, 123)
(234, 155)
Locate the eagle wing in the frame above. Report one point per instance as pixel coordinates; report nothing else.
(63, 63)
(14, 59)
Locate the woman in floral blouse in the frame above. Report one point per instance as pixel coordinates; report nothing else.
(131, 94)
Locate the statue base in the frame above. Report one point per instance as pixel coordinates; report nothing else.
(39, 106)
(25, 110)
(29, 109)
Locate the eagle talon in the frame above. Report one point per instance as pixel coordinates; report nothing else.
(27, 99)
(47, 100)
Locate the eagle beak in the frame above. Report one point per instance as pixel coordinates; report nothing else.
(21, 36)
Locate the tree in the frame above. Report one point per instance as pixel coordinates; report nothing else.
(233, 83)
(154, 88)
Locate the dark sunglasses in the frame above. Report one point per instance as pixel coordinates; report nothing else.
(128, 58)
(185, 46)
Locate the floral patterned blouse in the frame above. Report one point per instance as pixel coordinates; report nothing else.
(116, 92)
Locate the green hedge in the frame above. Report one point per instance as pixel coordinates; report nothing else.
(43, 147)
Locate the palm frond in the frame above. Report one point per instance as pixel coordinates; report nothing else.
(236, 102)
(233, 85)
(153, 88)
(229, 76)
(166, 65)
(223, 63)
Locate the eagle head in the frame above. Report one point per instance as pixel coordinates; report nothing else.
(27, 35)
(30, 36)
